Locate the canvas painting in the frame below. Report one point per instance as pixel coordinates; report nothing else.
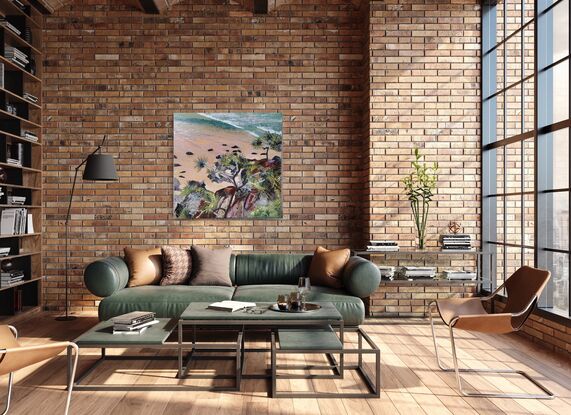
(227, 165)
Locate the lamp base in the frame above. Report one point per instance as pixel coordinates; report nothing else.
(66, 318)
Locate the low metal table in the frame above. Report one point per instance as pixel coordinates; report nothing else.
(325, 325)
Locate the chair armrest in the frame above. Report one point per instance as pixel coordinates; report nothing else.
(361, 277)
(106, 276)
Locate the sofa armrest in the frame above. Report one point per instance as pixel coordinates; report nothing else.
(361, 277)
(106, 276)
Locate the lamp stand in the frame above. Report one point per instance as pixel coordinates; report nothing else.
(67, 316)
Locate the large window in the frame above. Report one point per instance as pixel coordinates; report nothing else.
(525, 141)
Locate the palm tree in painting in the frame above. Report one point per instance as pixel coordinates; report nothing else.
(268, 141)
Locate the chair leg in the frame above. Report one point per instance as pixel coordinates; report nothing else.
(9, 396)
(546, 395)
(71, 379)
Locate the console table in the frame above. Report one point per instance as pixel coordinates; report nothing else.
(404, 298)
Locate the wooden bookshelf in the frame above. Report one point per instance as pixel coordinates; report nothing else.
(21, 156)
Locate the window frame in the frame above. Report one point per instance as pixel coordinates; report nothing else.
(491, 146)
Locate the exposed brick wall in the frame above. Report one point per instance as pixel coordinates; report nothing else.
(551, 334)
(424, 91)
(111, 70)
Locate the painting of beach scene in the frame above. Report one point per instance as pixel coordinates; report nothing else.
(227, 165)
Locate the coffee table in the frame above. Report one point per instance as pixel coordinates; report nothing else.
(318, 332)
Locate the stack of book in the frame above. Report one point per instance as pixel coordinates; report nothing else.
(13, 221)
(4, 251)
(16, 200)
(29, 97)
(133, 323)
(387, 272)
(10, 278)
(383, 246)
(16, 56)
(456, 242)
(6, 24)
(416, 273)
(29, 135)
(1, 192)
(451, 274)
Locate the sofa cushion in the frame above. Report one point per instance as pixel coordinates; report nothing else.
(177, 265)
(166, 301)
(145, 266)
(327, 266)
(270, 268)
(351, 308)
(211, 266)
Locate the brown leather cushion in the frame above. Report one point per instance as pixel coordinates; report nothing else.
(211, 266)
(177, 265)
(327, 266)
(144, 266)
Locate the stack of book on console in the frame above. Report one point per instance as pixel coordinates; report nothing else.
(10, 278)
(451, 274)
(135, 322)
(383, 246)
(456, 242)
(387, 272)
(416, 273)
(16, 55)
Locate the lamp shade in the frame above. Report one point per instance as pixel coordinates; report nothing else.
(100, 167)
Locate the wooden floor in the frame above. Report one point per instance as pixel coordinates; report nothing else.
(411, 381)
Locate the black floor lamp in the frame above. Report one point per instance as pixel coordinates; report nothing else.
(98, 167)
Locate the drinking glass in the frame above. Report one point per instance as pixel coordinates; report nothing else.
(283, 302)
(303, 285)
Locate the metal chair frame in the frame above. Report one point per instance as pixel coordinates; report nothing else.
(72, 349)
(527, 310)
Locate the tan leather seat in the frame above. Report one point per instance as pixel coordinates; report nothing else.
(14, 356)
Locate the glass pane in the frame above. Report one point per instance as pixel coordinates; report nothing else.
(529, 257)
(514, 260)
(500, 21)
(554, 84)
(513, 111)
(529, 165)
(513, 154)
(500, 237)
(554, 220)
(529, 105)
(556, 42)
(558, 264)
(529, 220)
(500, 176)
(513, 219)
(529, 49)
(513, 16)
(513, 56)
(554, 160)
(500, 133)
(500, 274)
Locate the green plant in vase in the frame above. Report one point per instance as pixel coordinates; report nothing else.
(419, 187)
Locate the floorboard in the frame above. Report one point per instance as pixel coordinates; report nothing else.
(411, 380)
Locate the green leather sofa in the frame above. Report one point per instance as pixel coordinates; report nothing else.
(256, 277)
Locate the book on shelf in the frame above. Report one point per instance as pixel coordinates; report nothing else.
(29, 135)
(451, 274)
(7, 25)
(412, 273)
(387, 272)
(11, 278)
(4, 251)
(383, 246)
(231, 306)
(13, 221)
(16, 200)
(455, 242)
(29, 97)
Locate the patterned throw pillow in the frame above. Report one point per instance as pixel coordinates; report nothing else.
(177, 265)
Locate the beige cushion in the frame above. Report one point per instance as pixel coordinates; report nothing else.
(144, 266)
(177, 265)
(211, 266)
(327, 266)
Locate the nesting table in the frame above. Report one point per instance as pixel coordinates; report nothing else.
(318, 332)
